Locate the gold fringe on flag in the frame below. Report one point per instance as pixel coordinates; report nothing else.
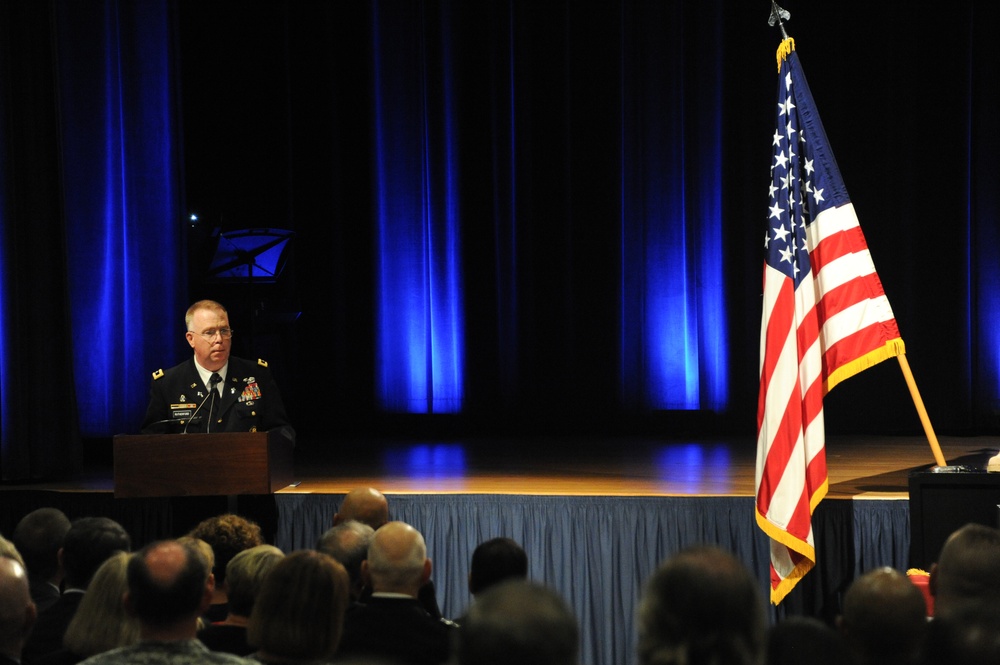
(784, 50)
(890, 349)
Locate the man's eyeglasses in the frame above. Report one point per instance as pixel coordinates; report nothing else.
(226, 333)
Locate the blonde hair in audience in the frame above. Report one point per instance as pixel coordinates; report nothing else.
(245, 576)
(203, 547)
(101, 622)
(299, 613)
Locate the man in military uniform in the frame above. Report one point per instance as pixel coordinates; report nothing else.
(212, 391)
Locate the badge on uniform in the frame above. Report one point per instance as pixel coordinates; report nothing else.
(182, 411)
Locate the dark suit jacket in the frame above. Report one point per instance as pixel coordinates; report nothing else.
(250, 401)
(44, 594)
(397, 629)
(47, 635)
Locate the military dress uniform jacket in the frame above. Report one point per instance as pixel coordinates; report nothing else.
(250, 401)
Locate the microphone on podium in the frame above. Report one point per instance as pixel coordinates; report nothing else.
(212, 383)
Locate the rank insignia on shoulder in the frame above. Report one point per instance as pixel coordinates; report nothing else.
(158, 374)
(262, 363)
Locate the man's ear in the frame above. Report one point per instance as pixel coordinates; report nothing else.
(428, 569)
(206, 598)
(366, 575)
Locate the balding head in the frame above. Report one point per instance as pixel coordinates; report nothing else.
(168, 586)
(397, 560)
(17, 612)
(366, 505)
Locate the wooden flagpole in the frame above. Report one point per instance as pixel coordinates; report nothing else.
(921, 410)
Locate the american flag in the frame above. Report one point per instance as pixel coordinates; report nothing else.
(825, 318)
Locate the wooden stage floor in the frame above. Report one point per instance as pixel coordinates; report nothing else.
(858, 466)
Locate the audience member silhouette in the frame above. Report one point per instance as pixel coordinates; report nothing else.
(169, 587)
(89, 542)
(701, 606)
(800, 640)
(39, 537)
(228, 535)
(516, 621)
(348, 543)
(884, 618)
(967, 634)
(967, 569)
(101, 622)
(17, 611)
(245, 577)
(369, 506)
(392, 624)
(298, 616)
(494, 561)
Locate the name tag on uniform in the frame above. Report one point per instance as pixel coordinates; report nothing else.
(182, 411)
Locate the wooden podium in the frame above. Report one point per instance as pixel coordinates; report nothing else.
(228, 463)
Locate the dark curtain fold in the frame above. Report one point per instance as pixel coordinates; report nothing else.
(39, 433)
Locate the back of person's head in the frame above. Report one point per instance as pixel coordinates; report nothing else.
(517, 621)
(968, 634)
(496, 560)
(348, 543)
(884, 618)
(968, 567)
(228, 535)
(90, 542)
(167, 583)
(366, 505)
(799, 640)
(245, 576)
(17, 612)
(299, 612)
(701, 606)
(101, 622)
(397, 559)
(38, 537)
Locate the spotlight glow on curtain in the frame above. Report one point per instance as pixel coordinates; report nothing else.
(673, 317)
(420, 328)
(124, 227)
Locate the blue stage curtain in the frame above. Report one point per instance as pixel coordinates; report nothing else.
(420, 324)
(123, 217)
(598, 552)
(674, 331)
